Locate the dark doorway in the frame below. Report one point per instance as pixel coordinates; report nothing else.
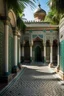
(55, 52)
(38, 55)
(26, 52)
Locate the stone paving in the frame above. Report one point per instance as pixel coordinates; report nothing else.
(36, 81)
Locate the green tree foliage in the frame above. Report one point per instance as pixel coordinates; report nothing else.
(58, 5)
(18, 7)
(56, 11)
(20, 24)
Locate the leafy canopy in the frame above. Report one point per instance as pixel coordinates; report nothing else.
(18, 5)
(56, 10)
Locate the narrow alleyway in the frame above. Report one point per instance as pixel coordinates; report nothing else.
(34, 81)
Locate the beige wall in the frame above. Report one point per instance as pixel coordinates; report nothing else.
(1, 7)
(12, 18)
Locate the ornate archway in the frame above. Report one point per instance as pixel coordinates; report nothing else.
(38, 50)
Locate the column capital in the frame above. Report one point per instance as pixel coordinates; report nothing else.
(19, 35)
(15, 31)
(51, 43)
(5, 19)
(31, 43)
(44, 44)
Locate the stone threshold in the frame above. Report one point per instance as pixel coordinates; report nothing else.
(57, 75)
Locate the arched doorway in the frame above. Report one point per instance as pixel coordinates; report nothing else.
(38, 55)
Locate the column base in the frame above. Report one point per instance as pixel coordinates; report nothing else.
(30, 59)
(19, 65)
(15, 69)
(58, 68)
(51, 65)
(61, 74)
(7, 77)
(22, 59)
(44, 60)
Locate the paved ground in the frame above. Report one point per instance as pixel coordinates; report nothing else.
(36, 81)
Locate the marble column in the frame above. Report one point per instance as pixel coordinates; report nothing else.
(31, 44)
(22, 57)
(44, 52)
(15, 68)
(51, 55)
(58, 63)
(19, 63)
(30, 53)
(19, 52)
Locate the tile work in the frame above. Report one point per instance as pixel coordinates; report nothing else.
(36, 81)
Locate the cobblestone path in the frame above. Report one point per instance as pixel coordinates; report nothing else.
(36, 81)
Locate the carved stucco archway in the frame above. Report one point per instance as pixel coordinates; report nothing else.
(38, 54)
(12, 17)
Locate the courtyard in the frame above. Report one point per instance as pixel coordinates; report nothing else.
(35, 80)
(31, 50)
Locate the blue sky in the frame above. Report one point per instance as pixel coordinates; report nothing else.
(29, 12)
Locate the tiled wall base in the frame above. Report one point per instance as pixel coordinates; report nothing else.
(15, 69)
(6, 79)
(20, 65)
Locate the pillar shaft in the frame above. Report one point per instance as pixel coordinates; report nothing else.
(22, 58)
(30, 51)
(51, 54)
(19, 49)
(15, 68)
(19, 63)
(58, 63)
(15, 50)
(44, 52)
(31, 44)
(58, 57)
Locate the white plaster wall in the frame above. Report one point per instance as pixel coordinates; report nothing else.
(12, 17)
(61, 30)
